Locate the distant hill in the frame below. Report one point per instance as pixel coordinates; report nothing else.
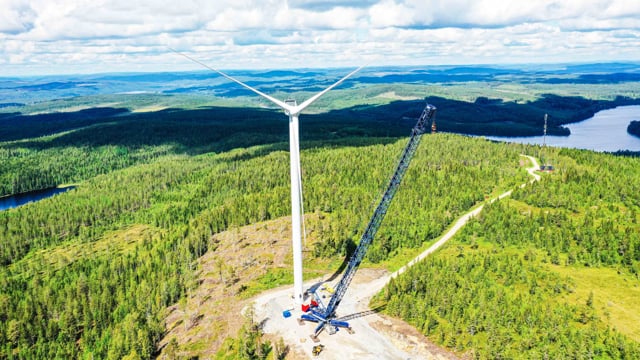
(41, 88)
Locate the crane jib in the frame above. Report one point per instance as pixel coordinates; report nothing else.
(328, 316)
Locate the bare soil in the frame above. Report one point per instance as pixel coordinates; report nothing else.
(212, 311)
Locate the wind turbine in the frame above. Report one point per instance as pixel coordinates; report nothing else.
(293, 110)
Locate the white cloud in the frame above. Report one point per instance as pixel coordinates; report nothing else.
(16, 16)
(495, 13)
(388, 13)
(67, 35)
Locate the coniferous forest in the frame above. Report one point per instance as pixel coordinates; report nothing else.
(552, 272)
(634, 128)
(540, 275)
(90, 272)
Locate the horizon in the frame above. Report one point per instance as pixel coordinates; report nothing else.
(541, 66)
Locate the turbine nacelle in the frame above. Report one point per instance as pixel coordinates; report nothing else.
(291, 108)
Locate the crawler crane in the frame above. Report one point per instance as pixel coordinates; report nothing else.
(326, 316)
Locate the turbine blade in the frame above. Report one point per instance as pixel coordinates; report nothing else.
(280, 104)
(315, 97)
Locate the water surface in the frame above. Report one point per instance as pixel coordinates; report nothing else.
(12, 201)
(605, 131)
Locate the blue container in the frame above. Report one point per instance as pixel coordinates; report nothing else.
(286, 313)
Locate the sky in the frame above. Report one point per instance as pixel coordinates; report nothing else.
(95, 36)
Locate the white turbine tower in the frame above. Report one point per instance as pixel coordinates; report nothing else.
(292, 109)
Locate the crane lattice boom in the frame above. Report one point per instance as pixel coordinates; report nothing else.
(327, 315)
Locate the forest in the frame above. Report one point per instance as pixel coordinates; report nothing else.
(517, 281)
(46, 150)
(499, 118)
(91, 272)
(634, 128)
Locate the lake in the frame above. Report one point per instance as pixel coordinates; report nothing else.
(605, 131)
(12, 201)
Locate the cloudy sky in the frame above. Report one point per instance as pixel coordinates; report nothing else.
(79, 36)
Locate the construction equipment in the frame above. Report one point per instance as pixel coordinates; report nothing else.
(326, 316)
(327, 288)
(317, 350)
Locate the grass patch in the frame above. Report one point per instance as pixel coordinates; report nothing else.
(400, 258)
(121, 241)
(616, 296)
(273, 278)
